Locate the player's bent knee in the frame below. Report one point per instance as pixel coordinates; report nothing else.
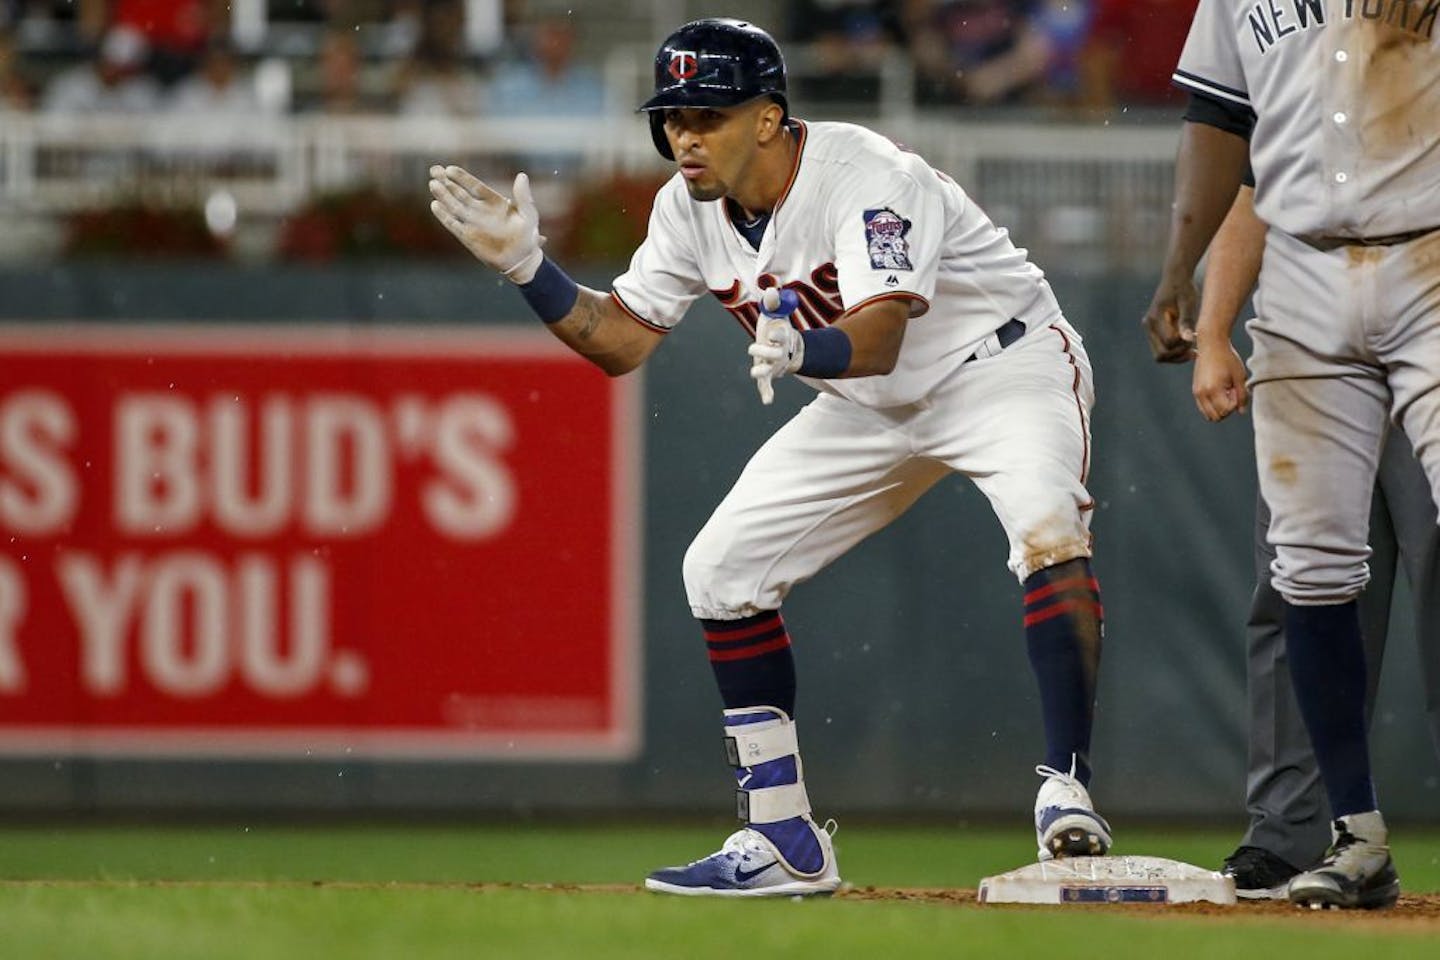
(716, 586)
(1059, 537)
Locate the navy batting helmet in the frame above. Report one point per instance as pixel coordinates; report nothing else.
(715, 62)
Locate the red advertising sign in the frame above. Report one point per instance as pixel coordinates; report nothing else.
(251, 540)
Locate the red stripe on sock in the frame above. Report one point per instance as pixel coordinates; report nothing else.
(730, 636)
(1050, 588)
(745, 653)
(1067, 606)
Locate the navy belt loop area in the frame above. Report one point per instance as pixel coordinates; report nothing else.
(1004, 335)
(1009, 332)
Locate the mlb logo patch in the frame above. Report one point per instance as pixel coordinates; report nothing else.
(885, 232)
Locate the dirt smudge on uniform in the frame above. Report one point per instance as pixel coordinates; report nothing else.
(1424, 254)
(1359, 254)
(1284, 470)
(1397, 99)
(1423, 264)
(1060, 537)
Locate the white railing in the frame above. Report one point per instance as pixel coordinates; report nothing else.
(1098, 193)
(57, 164)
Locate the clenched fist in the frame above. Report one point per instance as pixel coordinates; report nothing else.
(501, 232)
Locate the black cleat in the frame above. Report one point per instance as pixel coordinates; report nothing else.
(1258, 874)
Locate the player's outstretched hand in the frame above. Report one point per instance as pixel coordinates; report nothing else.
(1170, 321)
(1218, 382)
(778, 348)
(501, 232)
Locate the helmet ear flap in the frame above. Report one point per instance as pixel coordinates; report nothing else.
(657, 133)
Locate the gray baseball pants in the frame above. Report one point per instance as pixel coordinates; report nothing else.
(1289, 814)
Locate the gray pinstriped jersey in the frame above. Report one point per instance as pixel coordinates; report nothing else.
(1347, 99)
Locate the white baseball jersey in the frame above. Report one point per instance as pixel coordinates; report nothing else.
(1347, 99)
(860, 220)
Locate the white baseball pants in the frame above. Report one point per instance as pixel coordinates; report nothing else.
(1017, 423)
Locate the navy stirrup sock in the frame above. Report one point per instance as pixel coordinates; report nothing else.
(752, 660)
(1064, 627)
(1327, 670)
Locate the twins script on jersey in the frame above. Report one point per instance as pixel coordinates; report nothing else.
(860, 220)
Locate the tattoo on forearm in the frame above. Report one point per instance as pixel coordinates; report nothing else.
(585, 318)
(592, 323)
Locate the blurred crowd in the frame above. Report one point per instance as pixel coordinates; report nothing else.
(407, 57)
(417, 57)
(1085, 55)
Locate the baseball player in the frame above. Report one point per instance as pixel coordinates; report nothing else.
(1334, 105)
(1287, 807)
(934, 346)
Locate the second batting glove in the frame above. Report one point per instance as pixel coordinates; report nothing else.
(778, 348)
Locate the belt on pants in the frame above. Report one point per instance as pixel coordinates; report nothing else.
(1006, 334)
(1389, 240)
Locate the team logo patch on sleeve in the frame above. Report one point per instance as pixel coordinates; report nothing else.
(885, 232)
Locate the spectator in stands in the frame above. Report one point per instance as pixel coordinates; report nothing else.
(547, 80)
(977, 52)
(1066, 26)
(219, 88)
(1133, 48)
(401, 28)
(437, 80)
(113, 82)
(848, 42)
(177, 31)
(337, 87)
(80, 21)
(224, 109)
(15, 92)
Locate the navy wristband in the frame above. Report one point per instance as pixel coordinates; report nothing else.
(551, 293)
(827, 353)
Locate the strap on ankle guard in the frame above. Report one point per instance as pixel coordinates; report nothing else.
(746, 747)
(772, 804)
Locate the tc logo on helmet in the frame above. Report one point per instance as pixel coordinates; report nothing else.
(684, 64)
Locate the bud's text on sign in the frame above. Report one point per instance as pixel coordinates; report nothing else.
(249, 540)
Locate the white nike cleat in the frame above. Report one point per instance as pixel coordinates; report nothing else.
(748, 865)
(1066, 824)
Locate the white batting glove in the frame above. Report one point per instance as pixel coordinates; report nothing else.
(778, 348)
(500, 232)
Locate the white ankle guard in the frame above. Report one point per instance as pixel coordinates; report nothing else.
(766, 740)
(772, 804)
(746, 746)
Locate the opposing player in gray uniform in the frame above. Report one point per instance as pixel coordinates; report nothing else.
(1334, 105)
(1289, 826)
(935, 347)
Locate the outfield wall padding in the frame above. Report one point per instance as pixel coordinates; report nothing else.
(916, 696)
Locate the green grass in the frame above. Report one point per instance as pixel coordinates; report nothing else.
(248, 893)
